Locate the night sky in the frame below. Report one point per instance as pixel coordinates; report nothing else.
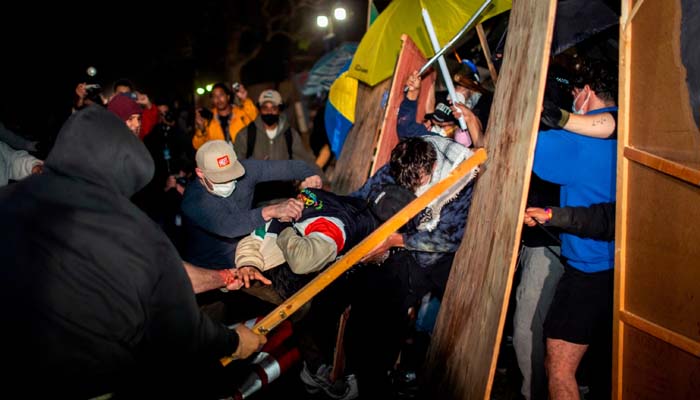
(165, 49)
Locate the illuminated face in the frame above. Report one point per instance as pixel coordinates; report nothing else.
(268, 108)
(134, 123)
(220, 99)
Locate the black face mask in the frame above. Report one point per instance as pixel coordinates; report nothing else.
(270, 119)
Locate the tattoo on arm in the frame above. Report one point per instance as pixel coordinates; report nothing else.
(600, 121)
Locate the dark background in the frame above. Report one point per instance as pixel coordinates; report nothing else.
(164, 48)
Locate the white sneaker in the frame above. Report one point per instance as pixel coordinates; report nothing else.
(345, 389)
(314, 383)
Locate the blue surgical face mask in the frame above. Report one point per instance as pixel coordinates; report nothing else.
(579, 111)
(223, 189)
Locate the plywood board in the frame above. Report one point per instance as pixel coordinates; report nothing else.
(410, 59)
(657, 314)
(663, 256)
(464, 348)
(654, 369)
(352, 168)
(661, 116)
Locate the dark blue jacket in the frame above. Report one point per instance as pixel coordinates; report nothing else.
(215, 224)
(427, 247)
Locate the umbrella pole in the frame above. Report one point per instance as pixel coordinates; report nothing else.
(441, 61)
(459, 34)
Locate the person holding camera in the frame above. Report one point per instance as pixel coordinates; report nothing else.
(226, 119)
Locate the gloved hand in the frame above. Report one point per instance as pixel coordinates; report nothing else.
(553, 116)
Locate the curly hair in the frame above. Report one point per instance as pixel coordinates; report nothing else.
(223, 86)
(601, 77)
(410, 159)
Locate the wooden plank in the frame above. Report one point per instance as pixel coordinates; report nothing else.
(352, 168)
(410, 59)
(669, 167)
(655, 370)
(656, 313)
(623, 123)
(684, 343)
(663, 257)
(325, 278)
(662, 121)
(464, 348)
(487, 52)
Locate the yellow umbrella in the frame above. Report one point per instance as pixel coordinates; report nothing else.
(376, 55)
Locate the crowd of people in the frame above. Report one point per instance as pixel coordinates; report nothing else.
(111, 241)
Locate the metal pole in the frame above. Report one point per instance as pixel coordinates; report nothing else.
(441, 60)
(459, 34)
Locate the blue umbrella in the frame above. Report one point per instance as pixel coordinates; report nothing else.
(327, 69)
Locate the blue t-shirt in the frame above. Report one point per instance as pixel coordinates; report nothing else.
(585, 167)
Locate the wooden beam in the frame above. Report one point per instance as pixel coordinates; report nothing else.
(354, 162)
(330, 274)
(464, 348)
(487, 52)
(675, 169)
(675, 339)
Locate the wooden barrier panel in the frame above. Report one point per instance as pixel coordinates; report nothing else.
(462, 357)
(657, 260)
(352, 168)
(410, 59)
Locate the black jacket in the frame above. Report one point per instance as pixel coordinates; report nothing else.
(596, 221)
(94, 296)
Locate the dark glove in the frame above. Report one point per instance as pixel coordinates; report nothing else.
(553, 116)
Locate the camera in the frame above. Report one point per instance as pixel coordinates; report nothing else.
(92, 93)
(236, 87)
(206, 114)
(181, 180)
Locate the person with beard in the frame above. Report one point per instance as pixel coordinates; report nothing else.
(94, 295)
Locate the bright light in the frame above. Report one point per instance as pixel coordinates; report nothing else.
(322, 21)
(200, 91)
(339, 13)
(209, 87)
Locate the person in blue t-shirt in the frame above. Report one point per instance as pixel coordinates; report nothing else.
(585, 167)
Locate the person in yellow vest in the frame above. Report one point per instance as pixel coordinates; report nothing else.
(208, 125)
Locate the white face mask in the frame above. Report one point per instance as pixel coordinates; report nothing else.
(223, 189)
(579, 111)
(437, 129)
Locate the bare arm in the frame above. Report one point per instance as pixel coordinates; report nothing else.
(209, 279)
(598, 125)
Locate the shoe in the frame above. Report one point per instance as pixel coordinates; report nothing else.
(345, 389)
(314, 383)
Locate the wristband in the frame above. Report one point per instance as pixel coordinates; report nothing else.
(548, 211)
(564, 118)
(227, 276)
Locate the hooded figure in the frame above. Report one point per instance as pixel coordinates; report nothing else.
(94, 296)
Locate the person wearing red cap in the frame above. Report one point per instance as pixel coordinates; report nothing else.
(127, 110)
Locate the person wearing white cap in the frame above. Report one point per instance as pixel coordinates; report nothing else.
(271, 137)
(218, 206)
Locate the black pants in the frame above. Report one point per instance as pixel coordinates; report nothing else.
(378, 323)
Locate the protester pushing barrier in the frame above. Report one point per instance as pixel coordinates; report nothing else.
(292, 304)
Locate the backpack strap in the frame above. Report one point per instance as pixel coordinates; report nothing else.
(290, 141)
(250, 142)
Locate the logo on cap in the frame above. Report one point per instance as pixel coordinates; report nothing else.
(223, 161)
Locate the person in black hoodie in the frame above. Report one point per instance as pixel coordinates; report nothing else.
(95, 299)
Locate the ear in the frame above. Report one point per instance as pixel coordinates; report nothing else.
(199, 172)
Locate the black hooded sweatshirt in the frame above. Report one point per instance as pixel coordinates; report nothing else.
(94, 296)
